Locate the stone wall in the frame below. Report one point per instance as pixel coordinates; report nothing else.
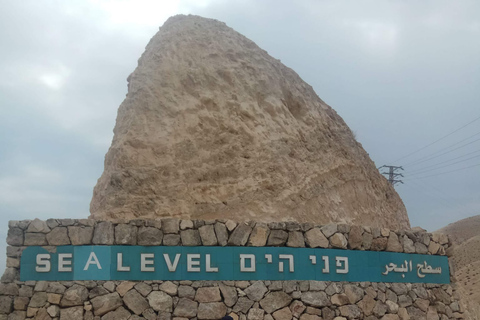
(253, 300)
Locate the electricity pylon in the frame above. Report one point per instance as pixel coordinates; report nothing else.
(392, 174)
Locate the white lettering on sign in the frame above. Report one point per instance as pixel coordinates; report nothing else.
(193, 265)
(120, 266)
(146, 260)
(208, 264)
(43, 263)
(406, 266)
(243, 267)
(171, 266)
(92, 259)
(220, 263)
(326, 263)
(289, 257)
(64, 265)
(342, 262)
(269, 258)
(326, 268)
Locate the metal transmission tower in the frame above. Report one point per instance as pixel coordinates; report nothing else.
(392, 174)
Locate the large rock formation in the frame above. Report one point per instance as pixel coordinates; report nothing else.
(214, 127)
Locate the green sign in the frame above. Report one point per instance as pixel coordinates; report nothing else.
(229, 263)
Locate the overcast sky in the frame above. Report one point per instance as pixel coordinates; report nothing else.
(402, 74)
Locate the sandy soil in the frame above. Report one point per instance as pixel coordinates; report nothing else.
(465, 234)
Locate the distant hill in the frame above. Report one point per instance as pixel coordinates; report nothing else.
(463, 230)
(465, 235)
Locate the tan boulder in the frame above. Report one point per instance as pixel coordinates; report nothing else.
(214, 127)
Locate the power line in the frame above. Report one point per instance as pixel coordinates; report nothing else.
(441, 196)
(442, 173)
(431, 194)
(446, 148)
(446, 152)
(432, 143)
(446, 161)
(448, 165)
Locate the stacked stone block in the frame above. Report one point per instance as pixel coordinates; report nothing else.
(243, 300)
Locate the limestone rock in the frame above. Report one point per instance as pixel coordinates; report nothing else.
(104, 233)
(315, 238)
(315, 298)
(277, 238)
(306, 316)
(71, 313)
(275, 300)
(256, 291)
(240, 235)
(38, 225)
(170, 226)
(295, 239)
(338, 240)
(143, 288)
(208, 294)
(105, 303)
(283, 314)
(38, 300)
(207, 234)
(190, 237)
(329, 229)
(297, 308)
(379, 244)
(188, 292)
(74, 296)
(53, 311)
(126, 234)
(160, 301)
(367, 304)
(171, 240)
(80, 235)
(6, 304)
(243, 305)
(339, 299)
(58, 237)
(35, 239)
(355, 237)
(135, 302)
(149, 236)
(169, 287)
(119, 314)
(259, 235)
(211, 310)
(408, 246)
(15, 237)
(257, 314)
(354, 293)
(208, 109)
(350, 311)
(393, 244)
(20, 303)
(186, 308)
(222, 234)
(229, 295)
(124, 287)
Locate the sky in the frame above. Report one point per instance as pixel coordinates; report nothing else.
(404, 75)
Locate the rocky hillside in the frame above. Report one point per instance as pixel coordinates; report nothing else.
(214, 127)
(465, 254)
(462, 230)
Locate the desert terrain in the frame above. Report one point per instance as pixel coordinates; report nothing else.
(465, 255)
